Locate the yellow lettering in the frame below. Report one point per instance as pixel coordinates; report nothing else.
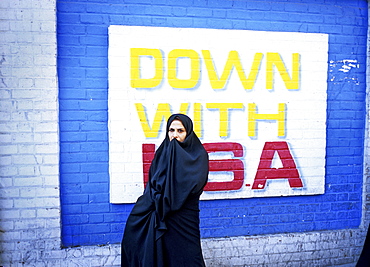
(184, 107)
(162, 114)
(274, 59)
(136, 80)
(233, 60)
(224, 114)
(292, 82)
(253, 116)
(173, 69)
(198, 119)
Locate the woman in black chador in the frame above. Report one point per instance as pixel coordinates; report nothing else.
(163, 227)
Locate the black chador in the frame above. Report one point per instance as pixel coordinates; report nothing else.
(163, 227)
(364, 260)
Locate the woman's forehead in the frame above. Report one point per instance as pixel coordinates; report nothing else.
(176, 124)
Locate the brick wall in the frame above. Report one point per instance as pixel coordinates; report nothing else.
(30, 231)
(89, 218)
(29, 161)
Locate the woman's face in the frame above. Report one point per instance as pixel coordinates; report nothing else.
(177, 131)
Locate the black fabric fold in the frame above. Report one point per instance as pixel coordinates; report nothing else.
(163, 227)
(364, 260)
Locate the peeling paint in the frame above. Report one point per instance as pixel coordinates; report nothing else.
(343, 67)
(2, 82)
(348, 64)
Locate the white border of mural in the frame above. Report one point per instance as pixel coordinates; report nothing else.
(282, 99)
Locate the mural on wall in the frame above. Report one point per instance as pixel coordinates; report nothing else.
(257, 100)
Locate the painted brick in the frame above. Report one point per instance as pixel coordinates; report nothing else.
(93, 40)
(96, 208)
(97, 177)
(95, 188)
(198, 12)
(71, 72)
(98, 136)
(94, 146)
(98, 197)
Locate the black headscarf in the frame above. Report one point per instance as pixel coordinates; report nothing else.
(178, 173)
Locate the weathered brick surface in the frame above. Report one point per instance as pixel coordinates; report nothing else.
(30, 232)
(29, 144)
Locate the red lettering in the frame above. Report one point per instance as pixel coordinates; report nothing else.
(226, 165)
(148, 156)
(288, 171)
(235, 166)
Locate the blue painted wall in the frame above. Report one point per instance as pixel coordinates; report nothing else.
(82, 25)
